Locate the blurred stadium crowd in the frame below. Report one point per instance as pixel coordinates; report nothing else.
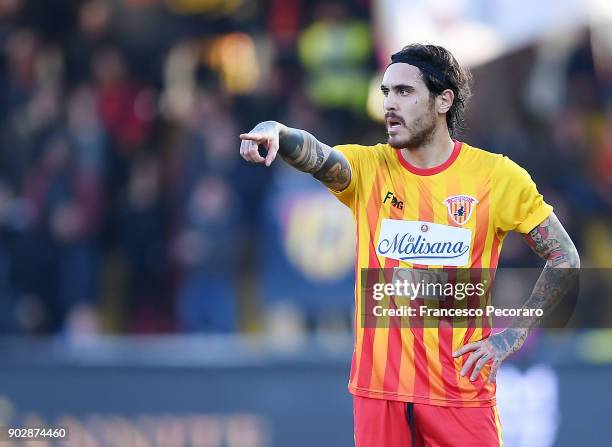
(124, 206)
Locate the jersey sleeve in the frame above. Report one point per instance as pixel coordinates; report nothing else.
(519, 205)
(357, 157)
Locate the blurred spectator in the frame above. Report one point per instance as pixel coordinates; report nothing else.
(143, 233)
(57, 251)
(93, 31)
(336, 50)
(124, 105)
(208, 248)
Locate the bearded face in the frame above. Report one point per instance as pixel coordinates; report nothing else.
(409, 108)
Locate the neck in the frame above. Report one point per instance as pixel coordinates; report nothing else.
(431, 153)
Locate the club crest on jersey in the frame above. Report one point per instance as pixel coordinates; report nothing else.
(460, 208)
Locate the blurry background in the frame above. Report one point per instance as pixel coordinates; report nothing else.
(155, 289)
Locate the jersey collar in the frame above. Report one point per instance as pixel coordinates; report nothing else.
(434, 170)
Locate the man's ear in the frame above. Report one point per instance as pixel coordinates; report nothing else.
(445, 100)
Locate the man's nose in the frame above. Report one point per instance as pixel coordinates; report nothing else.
(389, 104)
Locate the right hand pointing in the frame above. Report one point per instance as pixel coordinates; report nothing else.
(265, 134)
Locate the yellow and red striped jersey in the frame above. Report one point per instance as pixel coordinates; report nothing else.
(473, 200)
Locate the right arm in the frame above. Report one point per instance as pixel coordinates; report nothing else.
(298, 148)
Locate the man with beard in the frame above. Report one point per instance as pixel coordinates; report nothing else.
(428, 385)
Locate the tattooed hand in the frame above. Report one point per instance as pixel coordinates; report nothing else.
(298, 148)
(266, 134)
(494, 349)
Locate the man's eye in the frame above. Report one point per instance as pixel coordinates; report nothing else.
(403, 91)
(385, 92)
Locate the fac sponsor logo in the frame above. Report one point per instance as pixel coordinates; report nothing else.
(460, 208)
(395, 201)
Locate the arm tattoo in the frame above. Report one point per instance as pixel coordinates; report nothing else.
(551, 242)
(335, 172)
(304, 152)
(549, 246)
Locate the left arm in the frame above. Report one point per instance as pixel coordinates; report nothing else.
(552, 243)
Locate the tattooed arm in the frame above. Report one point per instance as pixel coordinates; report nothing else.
(298, 148)
(551, 242)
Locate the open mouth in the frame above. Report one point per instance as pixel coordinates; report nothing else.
(393, 123)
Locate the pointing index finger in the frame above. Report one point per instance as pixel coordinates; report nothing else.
(253, 137)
